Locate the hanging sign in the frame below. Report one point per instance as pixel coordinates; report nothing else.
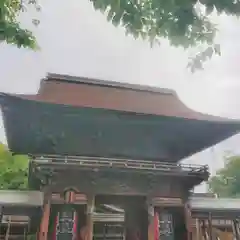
(162, 201)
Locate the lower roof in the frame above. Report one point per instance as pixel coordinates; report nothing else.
(11, 198)
(219, 208)
(26, 202)
(215, 204)
(34, 127)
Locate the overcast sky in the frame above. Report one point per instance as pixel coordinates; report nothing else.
(77, 40)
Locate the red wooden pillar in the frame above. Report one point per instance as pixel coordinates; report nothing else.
(151, 222)
(90, 209)
(69, 196)
(43, 231)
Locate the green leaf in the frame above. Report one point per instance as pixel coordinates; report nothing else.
(217, 49)
(110, 15)
(177, 21)
(209, 9)
(13, 170)
(10, 30)
(117, 18)
(226, 183)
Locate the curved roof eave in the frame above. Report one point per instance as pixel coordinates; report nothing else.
(169, 139)
(186, 112)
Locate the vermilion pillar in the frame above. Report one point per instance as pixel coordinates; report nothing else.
(43, 231)
(89, 222)
(151, 223)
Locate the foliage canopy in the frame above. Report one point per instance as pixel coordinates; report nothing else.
(226, 183)
(10, 29)
(184, 23)
(13, 170)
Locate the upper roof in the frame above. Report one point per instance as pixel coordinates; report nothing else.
(106, 83)
(88, 117)
(102, 94)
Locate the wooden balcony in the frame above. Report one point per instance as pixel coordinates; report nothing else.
(60, 162)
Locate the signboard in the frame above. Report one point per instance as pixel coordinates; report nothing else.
(162, 201)
(79, 198)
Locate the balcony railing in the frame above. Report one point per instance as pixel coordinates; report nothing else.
(98, 163)
(216, 222)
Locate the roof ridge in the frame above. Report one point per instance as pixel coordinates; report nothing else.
(107, 83)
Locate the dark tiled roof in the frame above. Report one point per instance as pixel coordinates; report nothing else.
(150, 123)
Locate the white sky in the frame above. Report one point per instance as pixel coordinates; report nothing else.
(77, 40)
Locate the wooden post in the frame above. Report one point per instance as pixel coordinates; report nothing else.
(8, 228)
(235, 229)
(198, 230)
(210, 230)
(188, 221)
(204, 230)
(1, 214)
(24, 233)
(43, 231)
(151, 223)
(90, 209)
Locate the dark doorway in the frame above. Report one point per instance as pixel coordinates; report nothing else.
(172, 223)
(66, 220)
